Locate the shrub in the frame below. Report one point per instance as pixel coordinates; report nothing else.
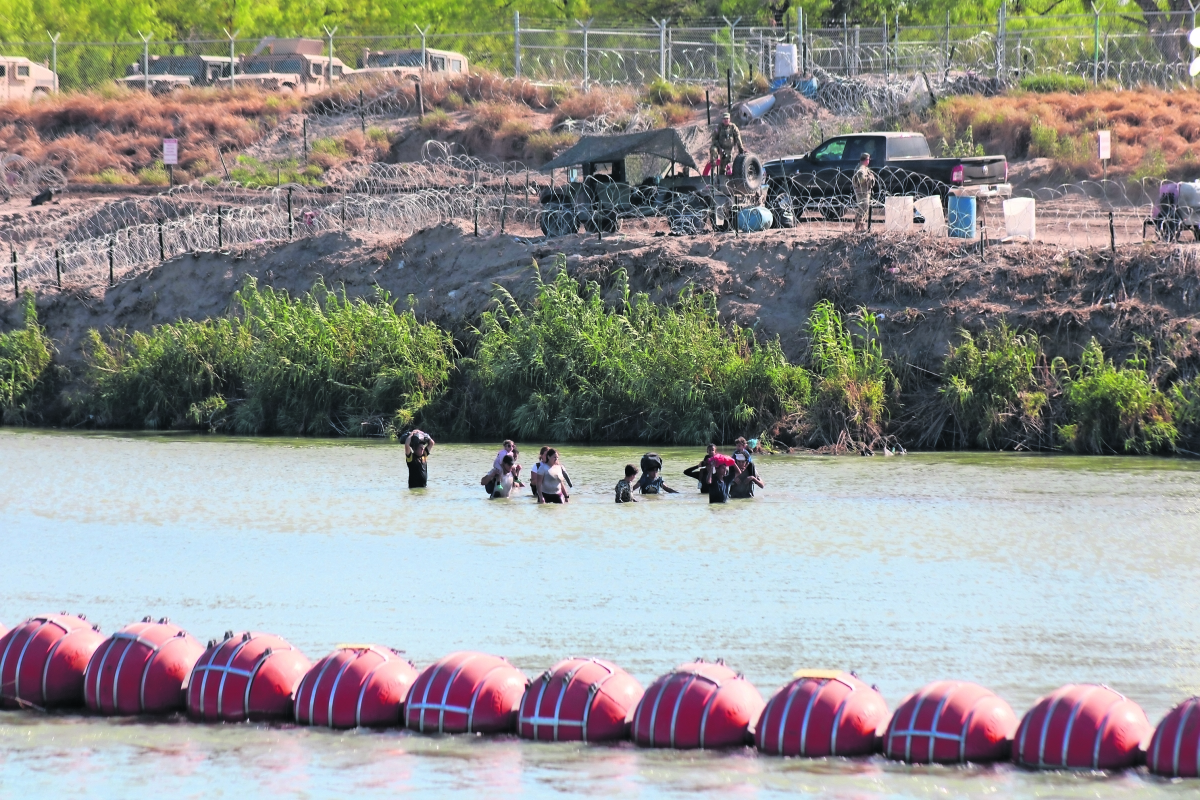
(567, 366)
(114, 177)
(154, 175)
(379, 137)
(251, 172)
(852, 380)
(492, 117)
(25, 355)
(1114, 409)
(318, 364)
(1054, 82)
(660, 92)
(1185, 399)
(453, 101)
(676, 114)
(989, 384)
(545, 145)
(435, 121)
(963, 146)
(330, 147)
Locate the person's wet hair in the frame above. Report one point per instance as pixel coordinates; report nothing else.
(551, 452)
(507, 461)
(630, 470)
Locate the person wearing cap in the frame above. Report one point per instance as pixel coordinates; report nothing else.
(724, 139)
(864, 185)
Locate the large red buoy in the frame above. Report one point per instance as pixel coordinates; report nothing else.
(246, 676)
(141, 669)
(822, 713)
(1175, 748)
(466, 692)
(1082, 726)
(43, 659)
(579, 699)
(355, 686)
(950, 722)
(697, 705)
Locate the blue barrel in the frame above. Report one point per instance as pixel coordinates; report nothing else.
(758, 218)
(960, 213)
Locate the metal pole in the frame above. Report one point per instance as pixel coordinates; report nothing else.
(54, 56)
(1112, 233)
(162, 245)
(729, 89)
(145, 60)
(112, 243)
(362, 114)
(220, 227)
(1002, 41)
(420, 100)
(946, 62)
(424, 50)
(517, 44)
(291, 219)
(1096, 47)
(503, 205)
(58, 268)
(16, 283)
(330, 32)
(343, 212)
(477, 216)
(585, 26)
(885, 46)
(857, 49)
(708, 107)
(845, 46)
(232, 57)
(662, 47)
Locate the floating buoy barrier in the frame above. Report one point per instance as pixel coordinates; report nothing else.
(43, 659)
(1082, 726)
(822, 713)
(697, 705)
(141, 669)
(950, 722)
(245, 676)
(355, 686)
(1175, 747)
(466, 692)
(579, 700)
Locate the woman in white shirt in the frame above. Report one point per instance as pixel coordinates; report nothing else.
(552, 480)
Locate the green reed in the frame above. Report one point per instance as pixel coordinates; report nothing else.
(25, 357)
(570, 367)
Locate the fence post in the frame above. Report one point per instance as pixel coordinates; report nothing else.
(291, 219)
(330, 32)
(57, 268)
(586, 73)
(162, 245)
(1112, 233)
(145, 61)
(1096, 47)
(420, 100)
(112, 243)
(343, 212)
(946, 61)
(362, 114)
(1002, 42)
(54, 58)
(232, 57)
(220, 227)
(477, 216)
(517, 44)
(729, 89)
(424, 50)
(885, 46)
(305, 138)
(503, 205)
(732, 40)
(845, 46)
(16, 283)
(800, 40)
(662, 47)
(857, 49)
(896, 55)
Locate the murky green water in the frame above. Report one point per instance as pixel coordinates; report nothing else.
(1019, 572)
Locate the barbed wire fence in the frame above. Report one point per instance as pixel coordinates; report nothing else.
(1123, 49)
(124, 238)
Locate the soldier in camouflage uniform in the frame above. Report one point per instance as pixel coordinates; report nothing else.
(724, 139)
(864, 186)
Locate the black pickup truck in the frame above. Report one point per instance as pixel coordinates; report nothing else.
(819, 181)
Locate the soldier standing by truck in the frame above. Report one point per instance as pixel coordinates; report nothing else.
(864, 186)
(724, 139)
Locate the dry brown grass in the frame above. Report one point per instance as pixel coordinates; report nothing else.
(87, 134)
(599, 101)
(1154, 132)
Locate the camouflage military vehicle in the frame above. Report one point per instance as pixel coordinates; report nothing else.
(291, 65)
(22, 79)
(408, 62)
(167, 73)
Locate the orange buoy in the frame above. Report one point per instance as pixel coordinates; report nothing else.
(822, 713)
(697, 705)
(579, 700)
(1082, 726)
(141, 669)
(1175, 748)
(245, 676)
(950, 722)
(42, 661)
(466, 692)
(355, 686)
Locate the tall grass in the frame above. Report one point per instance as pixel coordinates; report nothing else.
(853, 380)
(25, 356)
(1114, 409)
(569, 366)
(1185, 398)
(990, 386)
(317, 364)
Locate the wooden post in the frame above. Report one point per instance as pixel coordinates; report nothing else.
(1112, 234)
(420, 101)
(112, 243)
(162, 245)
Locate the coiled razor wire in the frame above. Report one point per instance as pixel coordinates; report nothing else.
(124, 238)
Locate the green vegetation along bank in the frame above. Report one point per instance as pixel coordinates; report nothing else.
(569, 365)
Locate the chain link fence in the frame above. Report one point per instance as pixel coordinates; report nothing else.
(1123, 49)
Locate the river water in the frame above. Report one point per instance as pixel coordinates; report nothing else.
(1019, 572)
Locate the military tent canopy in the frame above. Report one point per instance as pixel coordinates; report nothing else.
(673, 144)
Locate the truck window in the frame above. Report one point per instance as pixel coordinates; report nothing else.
(437, 63)
(22, 72)
(316, 69)
(908, 147)
(3, 71)
(830, 151)
(871, 145)
(455, 65)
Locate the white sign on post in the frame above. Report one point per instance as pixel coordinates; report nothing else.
(170, 151)
(1105, 141)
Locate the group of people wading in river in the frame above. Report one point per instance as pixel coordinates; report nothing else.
(719, 476)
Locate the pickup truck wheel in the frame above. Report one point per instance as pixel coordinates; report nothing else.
(601, 221)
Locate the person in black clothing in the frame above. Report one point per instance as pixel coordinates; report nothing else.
(700, 472)
(744, 478)
(416, 452)
(718, 486)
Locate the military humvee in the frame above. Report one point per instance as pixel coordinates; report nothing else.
(291, 65)
(21, 79)
(167, 73)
